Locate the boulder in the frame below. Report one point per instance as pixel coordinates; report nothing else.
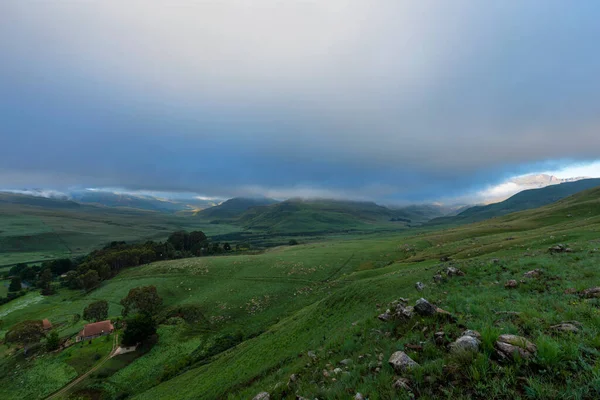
(337, 371)
(465, 343)
(437, 278)
(533, 273)
(425, 308)
(565, 327)
(507, 346)
(453, 271)
(400, 361)
(511, 284)
(591, 292)
(385, 316)
(472, 333)
(419, 286)
(262, 396)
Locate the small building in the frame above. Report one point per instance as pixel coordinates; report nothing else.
(46, 325)
(97, 329)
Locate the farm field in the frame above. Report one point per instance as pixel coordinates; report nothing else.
(323, 297)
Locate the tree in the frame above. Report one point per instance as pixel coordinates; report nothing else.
(144, 300)
(25, 333)
(96, 311)
(139, 328)
(15, 284)
(52, 341)
(45, 282)
(293, 242)
(227, 247)
(90, 279)
(179, 240)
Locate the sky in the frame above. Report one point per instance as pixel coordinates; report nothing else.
(392, 101)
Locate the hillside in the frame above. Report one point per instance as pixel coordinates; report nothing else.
(233, 208)
(35, 228)
(524, 200)
(304, 311)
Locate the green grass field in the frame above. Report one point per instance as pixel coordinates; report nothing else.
(324, 297)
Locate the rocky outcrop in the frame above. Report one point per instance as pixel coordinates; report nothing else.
(424, 308)
(453, 271)
(509, 346)
(401, 362)
(565, 327)
(591, 292)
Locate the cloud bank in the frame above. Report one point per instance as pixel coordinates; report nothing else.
(386, 100)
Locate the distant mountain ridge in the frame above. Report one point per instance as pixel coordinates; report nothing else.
(234, 208)
(527, 199)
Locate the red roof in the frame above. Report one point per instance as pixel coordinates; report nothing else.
(46, 324)
(97, 328)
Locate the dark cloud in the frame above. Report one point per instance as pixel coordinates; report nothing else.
(385, 100)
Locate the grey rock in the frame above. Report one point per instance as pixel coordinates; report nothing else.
(591, 292)
(402, 384)
(423, 307)
(262, 396)
(438, 278)
(565, 327)
(400, 361)
(359, 396)
(405, 312)
(312, 355)
(511, 284)
(465, 343)
(472, 333)
(337, 371)
(384, 317)
(419, 286)
(346, 361)
(533, 273)
(440, 338)
(453, 271)
(507, 346)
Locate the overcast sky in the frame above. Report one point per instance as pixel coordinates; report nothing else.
(375, 99)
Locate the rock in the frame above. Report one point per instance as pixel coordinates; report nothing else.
(385, 317)
(533, 273)
(465, 343)
(419, 286)
(453, 271)
(359, 396)
(325, 373)
(312, 355)
(262, 396)
(438, 278)
(405, 312)
(565, 327)
(440, 338)
(495, 260)
(400, 361)
(337, 371)
(509, 345)
(346, 362)
(591, 292)
(472, 333)
(423, 307)
(293, 378)
(570, 291)
(444, 259)
(511, 284)
(559, 248)
(402, 384)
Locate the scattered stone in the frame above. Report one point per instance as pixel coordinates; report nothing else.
(465, 343)
(293, 378)
(559, 248)
(312, 355)
(565, 327)
(262, 396)
(472, 333)
(444, 259)
(400, 361)
(359, 396)
(402, 384)
(405, 312)
(533, 273)
(495, 260)
(423, 307)
(386, 316)
(508, 312)
(326, 373)
(507, 346)
(419, 286)
(453, 271)
(591, 292)
(377, 370)
(511, 284)
(337, 371)
(438, 278)
(440, 338)
(346, 362)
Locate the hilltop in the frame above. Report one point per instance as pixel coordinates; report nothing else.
(234, 208)
(524, 200)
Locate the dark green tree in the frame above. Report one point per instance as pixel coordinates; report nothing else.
(15, 284)
(25, 333)
(52, 341)
(143, 300)
(227, 247)
(139, 328)
(96, 311)
(90, 279)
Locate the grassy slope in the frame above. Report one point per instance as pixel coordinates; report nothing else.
(31, 233)
(323, 297)
(525, 200)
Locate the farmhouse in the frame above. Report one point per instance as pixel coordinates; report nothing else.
(97, 329)
(46, 325)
